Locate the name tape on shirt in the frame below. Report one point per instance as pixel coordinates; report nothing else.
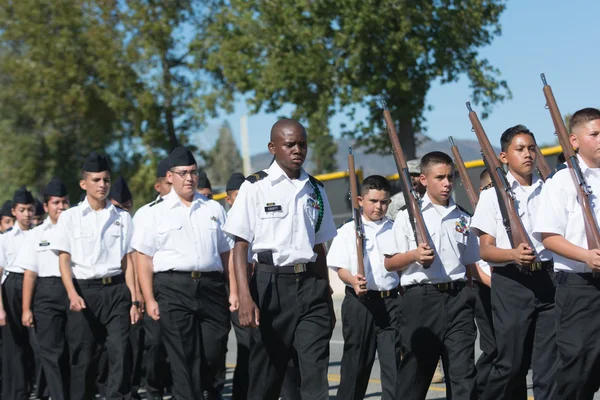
(272, 207)
(44, 243)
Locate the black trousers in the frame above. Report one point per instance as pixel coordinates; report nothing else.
(525, 331)
(136, 338)
(433, 324)
(578, 324)
(295, 313)
(292, 383)
(243, 336)
(155, 368)
(195, 323)
(50, 305)
(487, 340)
(16, 351)
(104, 322)
(369, 326)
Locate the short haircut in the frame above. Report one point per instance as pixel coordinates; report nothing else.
(375, 182)
(434, 158)
(485, 174)
(583, 116)
(510, 133)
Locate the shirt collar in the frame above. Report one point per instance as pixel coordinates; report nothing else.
(585, 168)
(426, 203)
(512, 181)
(47, 224)
(173, 200)
(377, 226)
(276, 174)
(86, 208)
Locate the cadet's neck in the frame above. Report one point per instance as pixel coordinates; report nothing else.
(187, 200)
(96, 204)
(524, 180)
(291, 173)
(23, 227)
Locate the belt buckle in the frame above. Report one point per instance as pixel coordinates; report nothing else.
(196, 274)
(299, 268)
(443, 287)
(536, 266)
(107, 281)
(384, 294)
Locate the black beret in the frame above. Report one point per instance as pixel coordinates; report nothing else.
(23, 196)
(181, 157)
(235, 181)
(55, 187)
(119, 191)
(39, 208)
(163, 167)
(6, 210)
(203, 181)
(95, 163)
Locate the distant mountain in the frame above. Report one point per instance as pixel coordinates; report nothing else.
(381, 164)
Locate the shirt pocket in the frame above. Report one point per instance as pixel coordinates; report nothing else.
(271, 225)
(169, 233)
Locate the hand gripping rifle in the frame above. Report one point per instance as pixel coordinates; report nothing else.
(464, 176)
(356, 215)
(411, 198)
(583, 190)
(506, 197)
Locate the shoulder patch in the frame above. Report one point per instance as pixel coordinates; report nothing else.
(461, 208)
(257, 176)
(9, 229)
(155, 202)
(558, 168)
(315, 181)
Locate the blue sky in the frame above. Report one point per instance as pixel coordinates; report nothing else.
(556, 37)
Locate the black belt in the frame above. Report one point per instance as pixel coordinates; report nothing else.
(109, 280)
(534, 267)
(288, 269)
(585, 278)
(440, 287)
(192, 274)
(52, 280)
(374, 294)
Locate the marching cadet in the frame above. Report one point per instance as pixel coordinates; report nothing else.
(284, 213)
(120, 195)
(436, 310)
(46, 311)
(370, 324)
(38, 216)
(155, 368)
(204, 186)
(522, 290)
(7, 219)
(560, 224)
(16, 351)
(184, 259)
(93, 240)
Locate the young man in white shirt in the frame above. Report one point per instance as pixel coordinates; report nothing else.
(46, 310)
(93, 241)
(16, 351)
(560, 225)
(523, 287)
(284, 213)
(183, 268)
(436, 309)
(370, 307)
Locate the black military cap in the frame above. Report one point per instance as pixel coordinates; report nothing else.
(163, 167)
(96, 163)
(6, 210)
(119, 191)
(235, 181)
(203, 181)
(180, 157)
(23, 196)
(39, 208)
(55, 187)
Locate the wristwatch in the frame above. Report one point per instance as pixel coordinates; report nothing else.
(135, 303)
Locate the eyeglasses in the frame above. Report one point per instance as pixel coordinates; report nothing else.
(193, 173)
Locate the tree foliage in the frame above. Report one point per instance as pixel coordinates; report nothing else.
(326, 55)
(224, 158)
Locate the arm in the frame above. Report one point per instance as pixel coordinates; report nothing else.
(138, 289)
(2, 312)
(129, 271)
(248, 313)
(400, 261)
(234, 302)
(479, 275)
(29, 278)
(64, 262)
(522, 255)
(321, 261)
(561, 246)
(358, 282)
(145, 273)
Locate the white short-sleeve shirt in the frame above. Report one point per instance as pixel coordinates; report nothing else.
(454, 244)
(488, 218)
(182, 238)
(12, 241)
(342, 253)
(280, 214)
(36, 255)
(96, 240)
(559, 212)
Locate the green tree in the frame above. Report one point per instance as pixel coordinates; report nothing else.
(325, 55)
(224, 158)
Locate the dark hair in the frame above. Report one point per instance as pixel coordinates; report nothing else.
(510, 133)
(582, 116)
(375, 182)
(434, 158)
(561, 158)
(484, 174)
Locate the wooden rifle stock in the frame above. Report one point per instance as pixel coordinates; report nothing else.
(542, 165)
(583, 191)
(356, 215)
(506, 198)
(413, 205)
(464, 176)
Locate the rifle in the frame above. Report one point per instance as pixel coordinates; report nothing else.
(583, 190)
(358, 225)
(506, 197)
(411, 198)
(464, 176)
(542, 165)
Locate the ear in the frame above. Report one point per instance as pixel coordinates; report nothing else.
(574, 141)
(423, 180)
(46, 208)
(13, 212)
(503, 158)
(360, 200)
(271, 147)
(156, 186)
(170, 177)
(83, 185)
(228, 200)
